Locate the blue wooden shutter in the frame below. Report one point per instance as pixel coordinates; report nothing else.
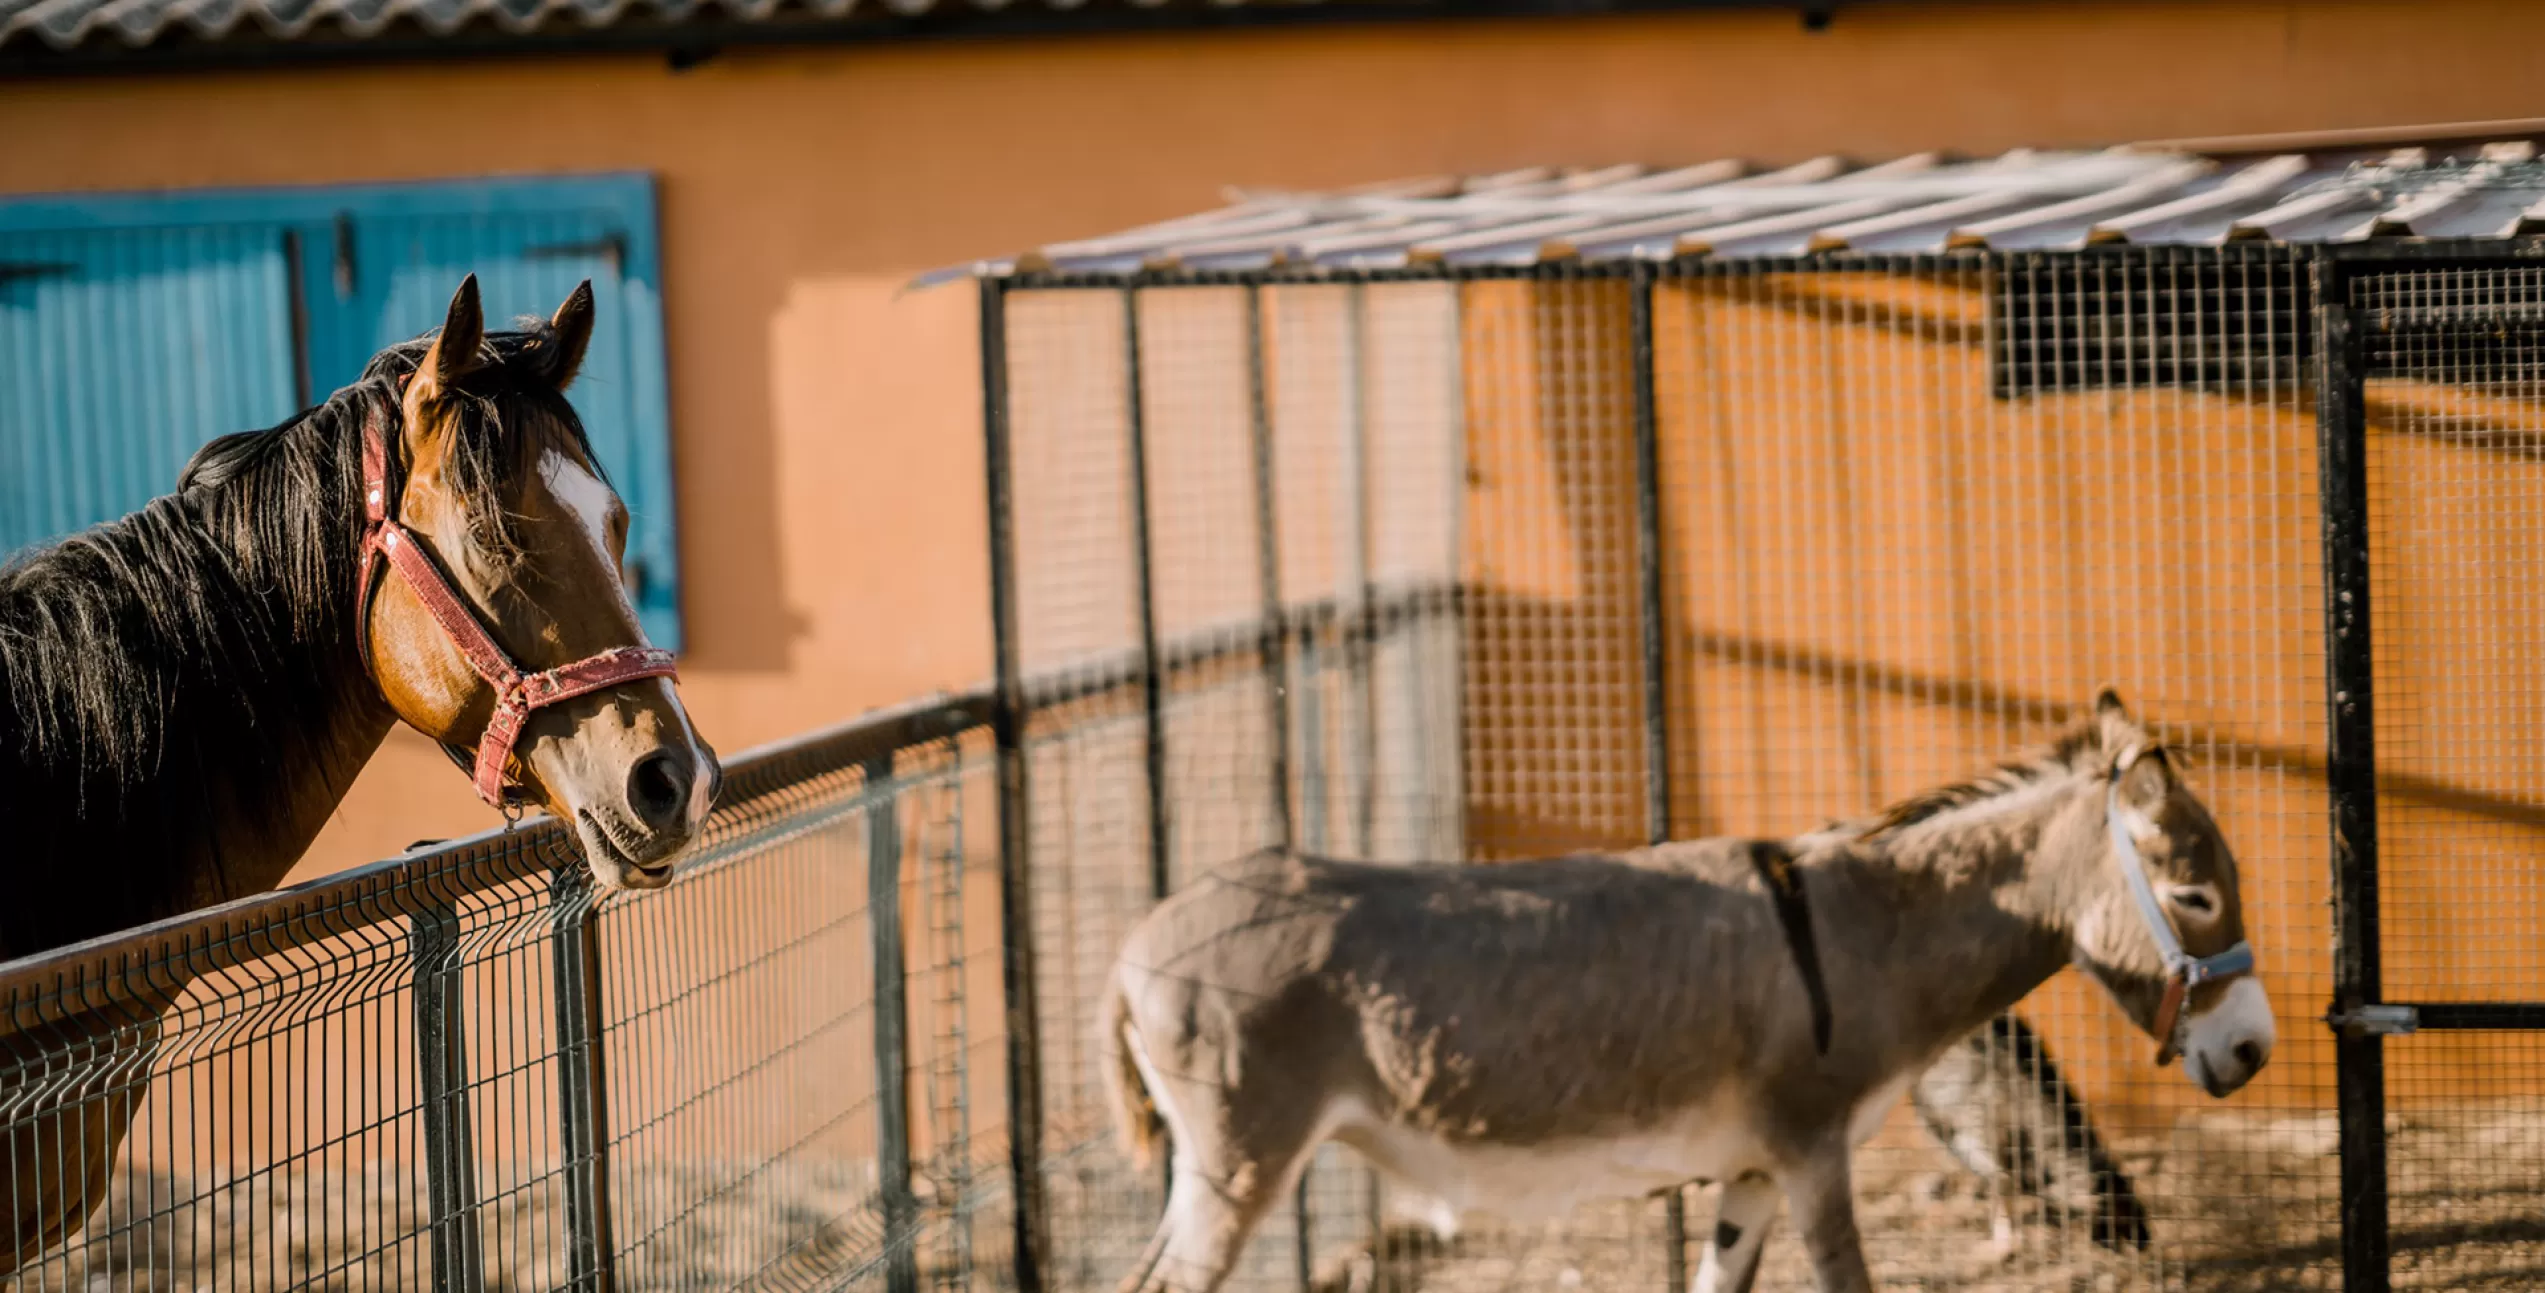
(122, 351)
(135, 327)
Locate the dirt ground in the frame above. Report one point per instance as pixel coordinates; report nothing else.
(2238, 1204)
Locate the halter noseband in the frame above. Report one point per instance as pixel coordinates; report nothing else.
(2183, 971)
(517, 694)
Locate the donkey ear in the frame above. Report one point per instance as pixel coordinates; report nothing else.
(2147, 778)
(2107, 704)
(455, 351)
(572, 327)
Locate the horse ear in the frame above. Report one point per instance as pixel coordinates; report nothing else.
(2147, 778)
(456, 350)
(2107, 703)
(572, 327)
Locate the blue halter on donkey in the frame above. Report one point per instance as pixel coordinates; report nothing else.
(2183, 971)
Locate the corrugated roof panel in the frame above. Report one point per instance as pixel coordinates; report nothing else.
(1787, 233)
(1918, 228)
(2327, 215)
(1650, 235)
(2023, 200)
(2067, 224)
(2208, 212)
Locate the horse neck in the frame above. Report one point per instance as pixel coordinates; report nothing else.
(265, 812)
(262, 712)
(1971, 908)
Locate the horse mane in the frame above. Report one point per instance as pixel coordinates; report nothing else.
(210, 606)
(2089, 745)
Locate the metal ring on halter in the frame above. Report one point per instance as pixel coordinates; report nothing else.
(2183, 971)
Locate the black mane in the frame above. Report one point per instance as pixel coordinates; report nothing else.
(160, 669)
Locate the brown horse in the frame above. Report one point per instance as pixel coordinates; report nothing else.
(187, 693)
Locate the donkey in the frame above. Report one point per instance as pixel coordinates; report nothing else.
(1517, 1039)
(2005, 1112)
(187, 693)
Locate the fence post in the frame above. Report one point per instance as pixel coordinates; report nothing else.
(892, 1031)
(2341, 413)
(1360, 621)
(1007, 727)
(1276, 640)
(441, 1057)
(582, 1090)
(1655, 656)
(1276, 665)
(1152, 678)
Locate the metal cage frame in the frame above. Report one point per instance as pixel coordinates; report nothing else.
(2359, 1015)
(59, 1005)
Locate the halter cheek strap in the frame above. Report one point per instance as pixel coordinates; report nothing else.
(517, 694)
(2183, 971)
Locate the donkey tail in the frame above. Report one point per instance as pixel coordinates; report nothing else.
(1135, 1115)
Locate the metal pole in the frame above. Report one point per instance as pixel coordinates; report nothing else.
(1007, 726)
(582, 1093)
(892, 1032)
(1276, 643)
(1360, 626)
(1276, 664)
(1152, 678)
(441, 1055)
(1656, 667)
(2359, 1054)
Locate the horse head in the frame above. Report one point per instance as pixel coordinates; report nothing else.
(493, 603)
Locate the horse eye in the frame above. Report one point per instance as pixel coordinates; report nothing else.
(2194, 900)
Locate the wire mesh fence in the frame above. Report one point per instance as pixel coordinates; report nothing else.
(456, 1070)
(1464, 566)
(2455, 478)
(1745, 548)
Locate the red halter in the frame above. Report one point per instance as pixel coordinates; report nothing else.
(517, 694)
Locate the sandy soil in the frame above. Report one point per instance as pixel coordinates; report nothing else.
(2238, 1204)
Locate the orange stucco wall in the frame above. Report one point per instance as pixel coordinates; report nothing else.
(826, 423)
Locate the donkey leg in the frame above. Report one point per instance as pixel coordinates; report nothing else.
(1823, 1194)
(1741, 1223)
(1205, 1229)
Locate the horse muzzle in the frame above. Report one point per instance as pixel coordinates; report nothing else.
(636, 783)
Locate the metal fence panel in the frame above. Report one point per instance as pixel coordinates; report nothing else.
(1461, 566)
(1786, 542)
(457, 1071)
(2454, 468)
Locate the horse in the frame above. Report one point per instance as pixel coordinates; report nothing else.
(187, 693)
(1517, 1039)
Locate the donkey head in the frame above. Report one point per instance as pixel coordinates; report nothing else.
(2172, 951)
(489, 469)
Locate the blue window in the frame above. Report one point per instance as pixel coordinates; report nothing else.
(133, 328)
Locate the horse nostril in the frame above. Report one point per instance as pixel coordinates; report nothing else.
(2249, 1055)
(658, 789)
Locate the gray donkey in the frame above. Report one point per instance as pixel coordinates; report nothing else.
(1517, 1039)
(2005, 1112)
